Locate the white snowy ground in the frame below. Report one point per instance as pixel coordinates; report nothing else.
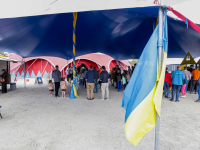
(33, 120)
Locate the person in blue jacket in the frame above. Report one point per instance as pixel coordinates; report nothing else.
(177, 81)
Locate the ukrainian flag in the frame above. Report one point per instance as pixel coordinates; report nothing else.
(143, 94)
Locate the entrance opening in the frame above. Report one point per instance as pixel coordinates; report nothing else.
(79, 68)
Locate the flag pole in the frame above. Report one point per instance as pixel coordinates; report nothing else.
(160, 59)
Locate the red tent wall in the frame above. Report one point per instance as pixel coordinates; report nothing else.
(86, 62)
(122, 65)
(113, 63)
(37, 66)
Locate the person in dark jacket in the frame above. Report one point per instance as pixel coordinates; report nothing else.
(5, 80)
(96, 80)
(104, 76)
(116, 72)
(119, 78)
(90, 76)
(56, 75)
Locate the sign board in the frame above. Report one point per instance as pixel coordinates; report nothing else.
(38, 80)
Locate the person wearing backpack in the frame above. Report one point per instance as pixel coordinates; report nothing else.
(5, 80)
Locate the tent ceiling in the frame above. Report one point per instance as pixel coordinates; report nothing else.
(21, 8)
(120, 33)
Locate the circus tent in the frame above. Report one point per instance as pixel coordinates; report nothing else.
(43, 66)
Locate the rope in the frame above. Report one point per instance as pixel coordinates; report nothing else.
(74, 44)
(73, 88)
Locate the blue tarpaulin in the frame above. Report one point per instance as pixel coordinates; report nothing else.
(120, 33)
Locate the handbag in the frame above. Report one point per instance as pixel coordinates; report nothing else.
(2, 80)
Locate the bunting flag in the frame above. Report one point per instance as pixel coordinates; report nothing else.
(73, 93)
(184, 19)
(143, 95)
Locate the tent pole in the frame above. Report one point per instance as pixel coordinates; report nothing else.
(24, 74)
(41, 68)
(160, 59)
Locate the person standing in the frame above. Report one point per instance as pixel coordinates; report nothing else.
(133, 68)
(112, 77)
(119, 78)
(63, 85)
(188, 76)
(129, 70)
(81, 79)
(117, 67)
(116, 72)
(100, 70)
(56, 75)
(167, 84)
(51, 87)
(68, 75)
(90, 77)
(6, 80)
(124, 80)
(198, 91)
(96, 81)
(82, 69)
(195, 74)
(71, 73)
(104, 76)
(183, 88)
(177, 81)
(190, 69)
(166, 71)
(128, 77)
(84, 80)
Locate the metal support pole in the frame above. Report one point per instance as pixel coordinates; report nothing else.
(24, 74)
(41, 68)
(160, 58)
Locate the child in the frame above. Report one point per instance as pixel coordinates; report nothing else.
(63, 85)
(119, 78)
(50, 87)
(183, 88)
(124, 80)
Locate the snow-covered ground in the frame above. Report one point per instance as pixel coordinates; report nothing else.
(33, 120)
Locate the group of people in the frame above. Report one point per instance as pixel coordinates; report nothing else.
(92, 79)
(86, 77)
(182, 81)
(120, 78)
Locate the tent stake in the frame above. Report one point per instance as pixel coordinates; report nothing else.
(160, 59)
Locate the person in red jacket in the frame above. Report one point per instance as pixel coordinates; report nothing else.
(167, 84)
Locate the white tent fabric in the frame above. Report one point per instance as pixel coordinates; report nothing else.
(174, 61)
(21, 8)
(189, 9)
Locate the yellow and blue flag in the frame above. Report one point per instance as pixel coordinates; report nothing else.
(143, 94)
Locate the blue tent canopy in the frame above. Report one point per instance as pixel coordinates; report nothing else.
(120, 33)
